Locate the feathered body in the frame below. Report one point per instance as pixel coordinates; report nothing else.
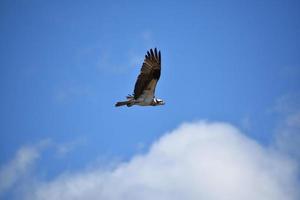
(144, 89)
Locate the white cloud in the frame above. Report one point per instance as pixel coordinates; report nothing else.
(15, 169)
(17, 175)
(196, 161)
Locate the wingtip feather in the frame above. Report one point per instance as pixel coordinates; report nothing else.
(151, 52)
(159, 57)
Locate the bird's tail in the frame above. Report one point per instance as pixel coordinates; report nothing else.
(122, 103)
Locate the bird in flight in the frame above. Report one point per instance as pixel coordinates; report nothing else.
(144, 89)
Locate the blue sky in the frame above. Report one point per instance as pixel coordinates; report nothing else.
(63, 65)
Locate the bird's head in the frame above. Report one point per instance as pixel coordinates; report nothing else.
(159, 102)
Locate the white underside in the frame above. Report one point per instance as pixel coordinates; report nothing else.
(147, 97)
(144, 101)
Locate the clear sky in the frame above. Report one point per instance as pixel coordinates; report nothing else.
(63, 65)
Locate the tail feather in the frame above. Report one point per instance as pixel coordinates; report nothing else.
(122, 103)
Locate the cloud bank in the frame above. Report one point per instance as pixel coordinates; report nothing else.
(198, 160)
(16, 169)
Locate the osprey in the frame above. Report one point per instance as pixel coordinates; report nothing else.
(144, 89)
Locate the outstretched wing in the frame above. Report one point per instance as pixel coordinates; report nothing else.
(150, 73)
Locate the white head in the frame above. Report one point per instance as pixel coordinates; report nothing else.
(158, 102)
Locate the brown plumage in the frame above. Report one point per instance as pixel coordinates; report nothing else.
(150, 71)
(144, 89)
